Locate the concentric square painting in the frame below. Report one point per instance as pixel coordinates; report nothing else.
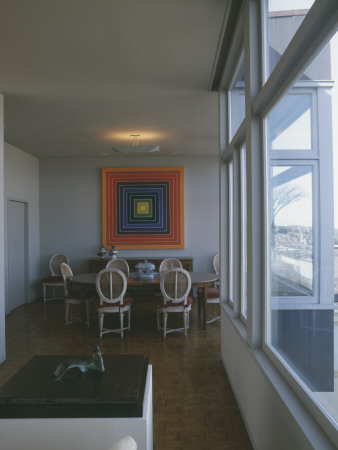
(143, 207)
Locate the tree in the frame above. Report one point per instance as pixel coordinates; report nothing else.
(283, 196)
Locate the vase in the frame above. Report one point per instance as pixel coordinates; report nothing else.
(145, 269)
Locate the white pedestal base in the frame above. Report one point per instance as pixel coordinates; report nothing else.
(80, 434)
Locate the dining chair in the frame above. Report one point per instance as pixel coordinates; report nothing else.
(120, 264)
(166, 264)
(111, 286)
(213, 295)
(55, 280)
(170, 263)
(74, 297)
(175, 286)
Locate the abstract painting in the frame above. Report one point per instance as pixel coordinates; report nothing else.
(143, 208)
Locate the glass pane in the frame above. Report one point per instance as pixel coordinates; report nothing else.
(291, 231)
(244, 234)
(302, 318)
(285, 17)
(237, 99)
(329, 397)
(290, 123)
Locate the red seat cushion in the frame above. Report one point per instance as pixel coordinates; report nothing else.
(126, 301)
(52, 279)
(212, 292)
(160, 302)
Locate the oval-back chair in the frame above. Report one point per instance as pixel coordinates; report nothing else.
(111, 286)
(54, 280)
(74, 297)
(175, 287)
(120, 264)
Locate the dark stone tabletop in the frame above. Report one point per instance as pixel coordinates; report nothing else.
(117, 392)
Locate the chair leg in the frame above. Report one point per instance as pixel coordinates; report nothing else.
(87, 314)
(165, 318)
(158, 319)
(129, 315)
(101, 315)
(185, 319)
(67, 313)
(44, 293)
(121, 323)
(216, 317)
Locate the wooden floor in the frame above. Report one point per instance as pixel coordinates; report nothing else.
(194, 407)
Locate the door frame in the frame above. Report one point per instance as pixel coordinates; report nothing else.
(25, 252)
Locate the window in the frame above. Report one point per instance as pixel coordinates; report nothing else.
(285, 17)
(282, 201)
(292, 272)
(237, 98)
(290, 123)
(301, 329)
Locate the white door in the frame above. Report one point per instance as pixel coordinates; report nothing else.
(16, 254)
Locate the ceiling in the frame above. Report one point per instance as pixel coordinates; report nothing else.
(79, 76)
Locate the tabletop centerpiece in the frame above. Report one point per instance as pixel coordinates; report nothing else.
(145, 269)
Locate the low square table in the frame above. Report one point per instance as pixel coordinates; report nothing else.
(118, 392)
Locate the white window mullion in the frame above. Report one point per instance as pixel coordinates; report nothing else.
(231, 231)
(255, 181)
(243, 225)
(236, 234)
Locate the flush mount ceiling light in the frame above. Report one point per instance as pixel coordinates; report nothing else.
(135, 147)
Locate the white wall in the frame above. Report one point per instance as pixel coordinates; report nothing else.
(70, 208)
(275, 418)
(22, 184)
(2, 237)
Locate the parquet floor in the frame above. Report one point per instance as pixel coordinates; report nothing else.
(193, 404)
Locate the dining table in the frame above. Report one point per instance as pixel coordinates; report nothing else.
(198, 280)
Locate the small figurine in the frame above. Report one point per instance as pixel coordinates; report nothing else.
(113, 252)
(101, 252)
(95, 364)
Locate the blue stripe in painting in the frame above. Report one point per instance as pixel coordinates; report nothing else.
(129, 193)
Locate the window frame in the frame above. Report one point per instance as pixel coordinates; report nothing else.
(243, 224)
(282, 154)
(234, 116)
(302, 49)
(261, 95)
(231, 232)
(305, 302)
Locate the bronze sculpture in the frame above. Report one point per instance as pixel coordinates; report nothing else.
(95, 364)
